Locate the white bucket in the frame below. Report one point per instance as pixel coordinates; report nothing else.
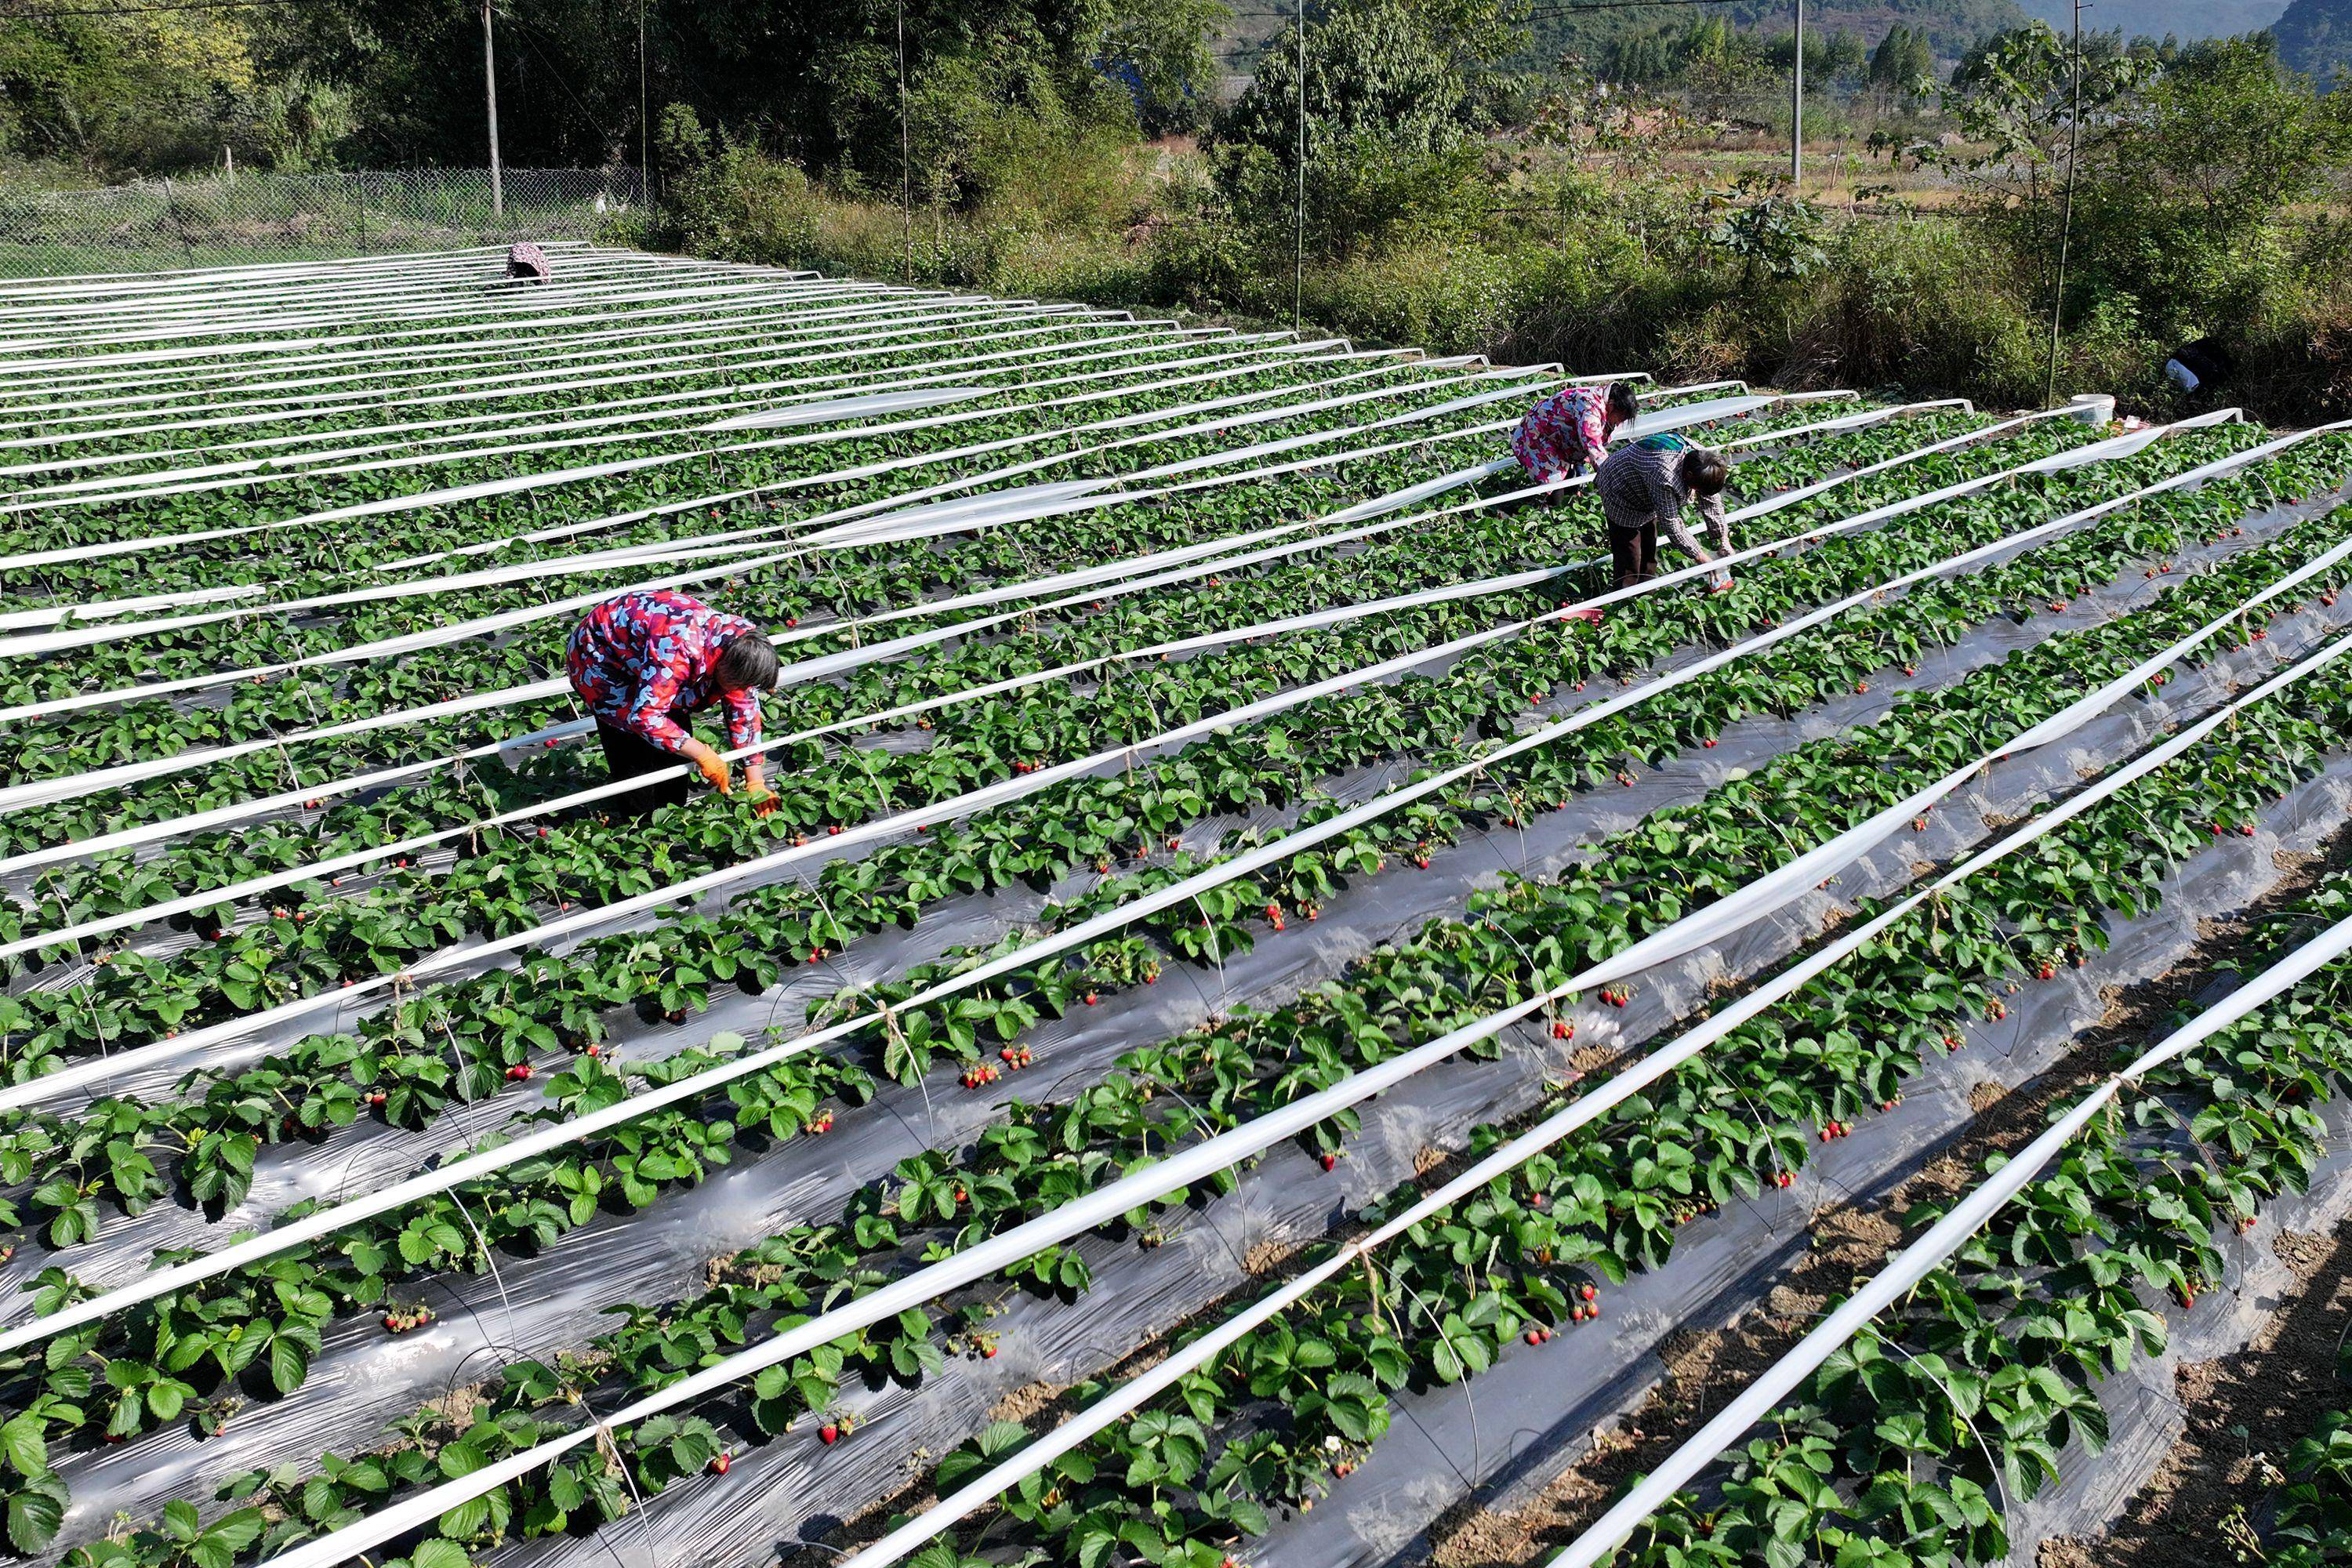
(2093, 407)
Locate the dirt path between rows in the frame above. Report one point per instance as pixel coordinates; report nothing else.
(2242, 1413)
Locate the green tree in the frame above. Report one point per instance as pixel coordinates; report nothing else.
(1396, 72)
(154, 91)
(2189, 186)
(1390, 117)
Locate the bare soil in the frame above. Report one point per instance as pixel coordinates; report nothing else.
(1850, 1242)
(2242, 1413)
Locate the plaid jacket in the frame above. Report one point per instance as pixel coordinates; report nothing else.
(1643, 484)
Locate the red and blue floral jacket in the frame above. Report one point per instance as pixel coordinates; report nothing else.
(1563, 432)
(641, 660)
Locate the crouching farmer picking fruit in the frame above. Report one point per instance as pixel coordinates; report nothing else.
(1568, 431)
(1649, 484)
(647, 661)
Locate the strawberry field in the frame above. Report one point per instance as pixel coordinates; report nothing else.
(1270, 995)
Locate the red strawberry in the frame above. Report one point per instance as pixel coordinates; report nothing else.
(1589, 1292)
(721, 1462)
(828, 1434)
(1329, 1161)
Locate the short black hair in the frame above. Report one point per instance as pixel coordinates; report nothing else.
(1622, 402)
(1705, 472)
(748, 664)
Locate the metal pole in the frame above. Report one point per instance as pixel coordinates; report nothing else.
(1797, 109)
(2066, 223)
(645, 122)
(905, 163)
(1298, 234)
(490, 98)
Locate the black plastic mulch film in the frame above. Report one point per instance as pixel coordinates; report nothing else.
(779, 1494)
(1498, 1435)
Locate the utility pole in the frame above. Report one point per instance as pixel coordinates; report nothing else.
(490, 98)
(906, 164)
(1797, 109)
(644, 99)
(1299, 233)
(2066, 223)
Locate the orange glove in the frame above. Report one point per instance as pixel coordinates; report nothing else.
(713, 767)
(764, 799)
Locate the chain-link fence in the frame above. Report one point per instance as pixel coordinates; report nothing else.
(224, 220)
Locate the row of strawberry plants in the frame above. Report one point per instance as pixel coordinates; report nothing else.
(657, 965)
(802, 588)
(1610, 1201)
(980, 742)
(1779, 793)
(838, 582)
(1484, 696)
(855, 465)
(782, 365)
(382, 348)
(1140, 377)
(665, 516)
(124, 730)
(540, 361)
(725, 462)
(1975, 1387)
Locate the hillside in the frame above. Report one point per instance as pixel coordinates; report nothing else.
(1952, 27)
(2184, 19)
(2314, 38)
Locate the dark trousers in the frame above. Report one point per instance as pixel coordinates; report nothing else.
(1634, 553)
(628, 754)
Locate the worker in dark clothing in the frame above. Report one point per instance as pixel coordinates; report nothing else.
(653, 656)
(1648, 485)
(2203, 364)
